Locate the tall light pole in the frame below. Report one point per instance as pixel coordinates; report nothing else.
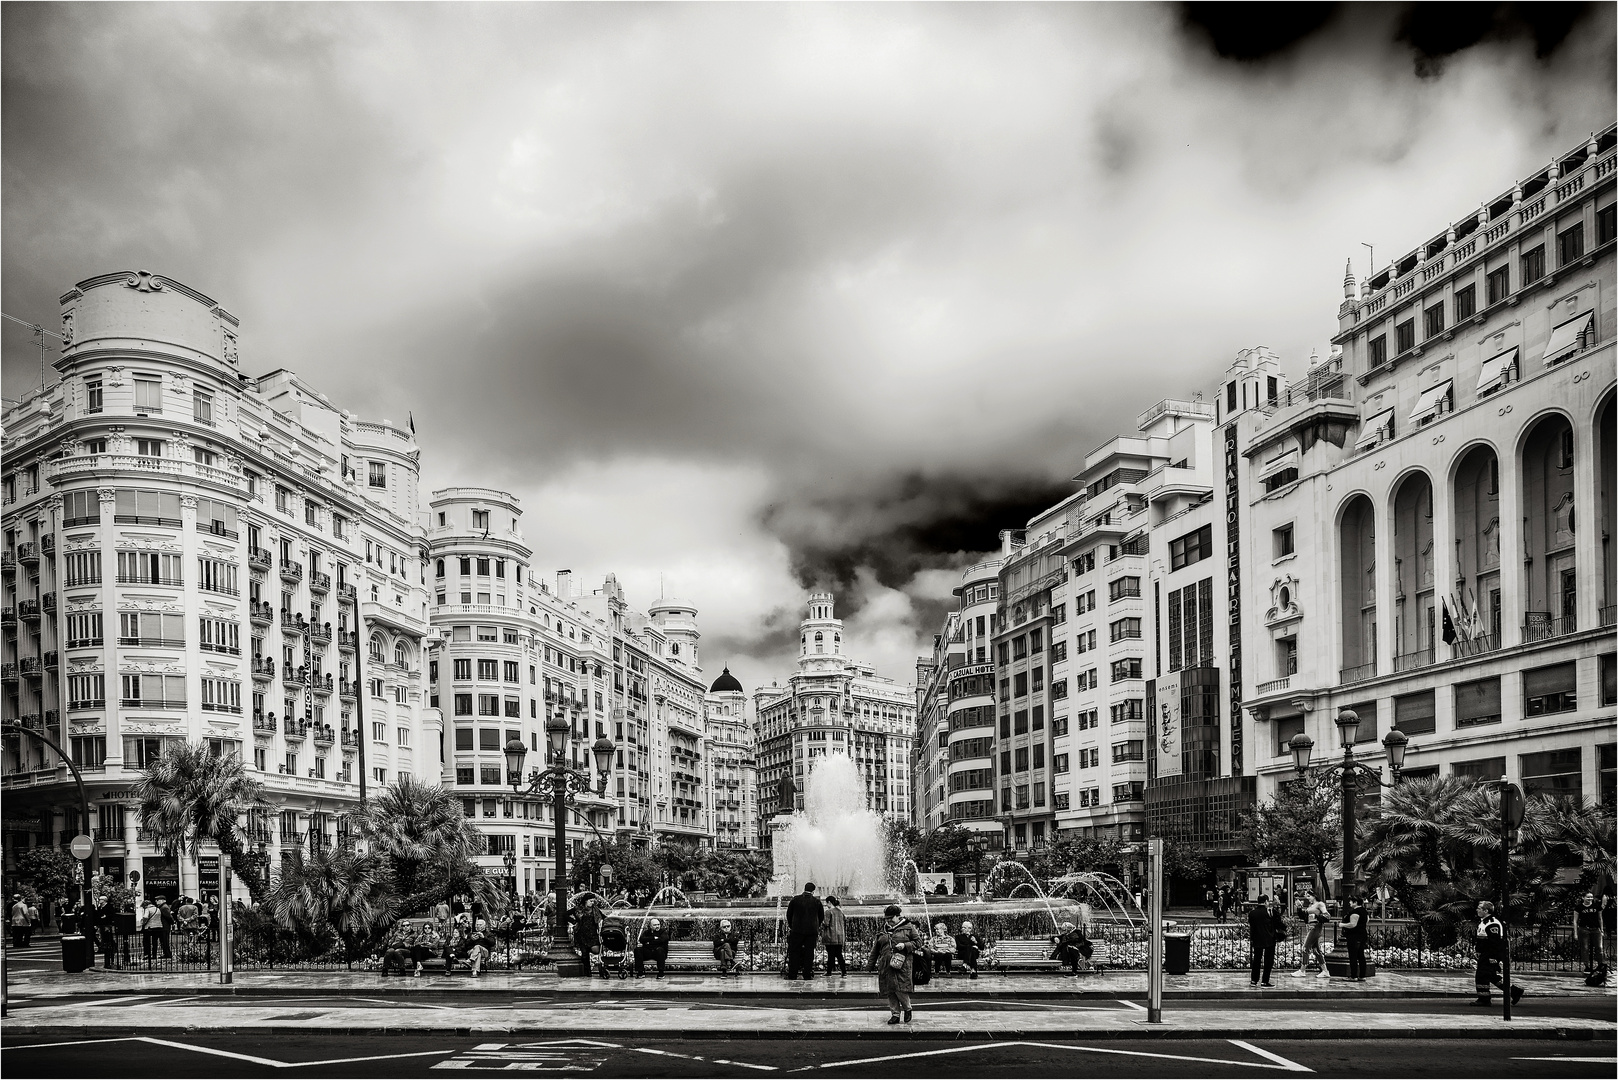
(1395, 742)
(562, 784)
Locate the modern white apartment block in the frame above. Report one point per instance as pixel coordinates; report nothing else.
(1428, 527)
(193, 554)
(834, 704)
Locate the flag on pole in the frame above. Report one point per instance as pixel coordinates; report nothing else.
(411, 416)
(1449, 624)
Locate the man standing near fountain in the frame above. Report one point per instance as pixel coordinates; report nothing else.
(834, 934)
(804, 915)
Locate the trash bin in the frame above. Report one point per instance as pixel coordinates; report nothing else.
(78, 953)
(1176, 953)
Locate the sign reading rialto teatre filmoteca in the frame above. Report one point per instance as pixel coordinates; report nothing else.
(1169, 742)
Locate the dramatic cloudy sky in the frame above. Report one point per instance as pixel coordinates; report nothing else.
(746, 299)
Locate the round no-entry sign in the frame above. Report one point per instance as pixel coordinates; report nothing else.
(81, 847)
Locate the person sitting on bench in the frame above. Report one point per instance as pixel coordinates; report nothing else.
(1071, 947)
(653, 944)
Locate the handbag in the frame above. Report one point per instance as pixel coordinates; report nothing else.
(896, 961)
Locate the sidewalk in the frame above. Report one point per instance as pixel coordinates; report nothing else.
(671, 1019)
(1222, 985)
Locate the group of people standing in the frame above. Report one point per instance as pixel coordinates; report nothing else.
(1267, 927)
(811, 922)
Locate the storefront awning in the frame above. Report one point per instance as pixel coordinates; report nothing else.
(1565, 338)
(1496, 371)
(1432, 400)
(1376, 429)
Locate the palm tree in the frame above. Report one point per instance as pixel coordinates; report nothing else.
(191, 794)
(335, 891)
(423, 837)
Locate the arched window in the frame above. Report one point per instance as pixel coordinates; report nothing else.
(376, 648)
(399, 653)
(440, 567)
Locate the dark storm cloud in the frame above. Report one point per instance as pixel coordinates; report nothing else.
(768, 296)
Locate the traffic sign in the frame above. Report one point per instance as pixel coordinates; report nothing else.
(81, 847)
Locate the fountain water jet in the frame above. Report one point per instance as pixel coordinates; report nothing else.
(836, 841)
(1055, 922)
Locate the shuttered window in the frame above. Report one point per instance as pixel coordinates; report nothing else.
(1415, 714)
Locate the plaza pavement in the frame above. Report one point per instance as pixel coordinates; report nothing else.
(1106, 1006)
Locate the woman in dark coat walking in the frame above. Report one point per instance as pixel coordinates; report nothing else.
(891, 956)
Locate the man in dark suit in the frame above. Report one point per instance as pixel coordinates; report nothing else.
(1264, 928)
(804, 915)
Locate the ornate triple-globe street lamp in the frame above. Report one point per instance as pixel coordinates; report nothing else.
(1349, 771)
(563, 784)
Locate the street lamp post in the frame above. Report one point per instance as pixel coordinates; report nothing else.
(1395, 742)
(562, 784)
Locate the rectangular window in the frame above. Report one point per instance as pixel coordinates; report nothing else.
(488, 705)
(1132, 750)
(221, 695)
(1557, 773)
(1499, 284)
(1020, 680)
(93, 395)
(463, 704)
(153, 691)
(1126, 669)
(1466, 303)
(1125, 629)
(1606, 224)
(1433, 320)
(89, 750)
(1404, 335)
(1570, 245)
(378, 474)
(84, 629)
(463, 670)
(148, 395)
(1415, 714)
(216, 575)
(1127, 710)
(1191, 548)
(1376, 352)
(1120, 588)
(1483, 770)
(1533, 265)
(463, 738)
(512, 674)
(1551, 689)
(1281, 542)
(202, 407)
(147, 508)
(83, 568)
(148, 568)
(150, 628)
(1285, 728)
(1477, 702)
(489, 670)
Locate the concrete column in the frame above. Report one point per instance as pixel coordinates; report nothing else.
(1587, 524)
(1443, 556)
(1512, 582)
(1386, 646)
(132, 852)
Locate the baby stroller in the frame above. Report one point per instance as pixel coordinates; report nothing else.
(615, 957)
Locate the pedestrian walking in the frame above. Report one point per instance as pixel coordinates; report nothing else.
(1356, 927)
(1314, 913)
(1587, 928)
(726, 942)
(652, 944)
(969, 946)
(1265, 926)
(804, 915)
(33, 922)
(834, 935)
(17, 917)
(1491, 949)
(891, 956)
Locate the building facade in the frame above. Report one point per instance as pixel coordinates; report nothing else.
(833, 703)
(195, 555)
(732, 764)
(1415, 554)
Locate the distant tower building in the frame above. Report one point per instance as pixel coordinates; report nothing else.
(732, 764)
(833, 703)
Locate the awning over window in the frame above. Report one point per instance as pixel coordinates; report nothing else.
(1432, 399)
(1497, 370)
(1565, 338)
(1288, 460)
(1376, 429)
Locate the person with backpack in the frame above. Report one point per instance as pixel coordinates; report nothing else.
(1491, 949)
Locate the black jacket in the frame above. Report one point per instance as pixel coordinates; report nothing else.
(654, 941)
(1265, 928)
(804, 916)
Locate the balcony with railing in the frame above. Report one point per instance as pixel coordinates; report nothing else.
(28, 610)
(320, 633)
(1358, 673)
(263, 668)
(293, 622)
(1541, 626)
(28, 552)
(1609, 615)
(65, 468)
(322, 683)
(1476, 646)
(8, 562)
(1412, 661)
(347, 689)
(1274, 685)
(31, 667)
(347, 593)
(320, 581)
(264, 723)
(348, 640)
(261, 612)
(260, 558)
(8, 619)
(47, 544)
(324, 735)
(296, 729)
(291, 571)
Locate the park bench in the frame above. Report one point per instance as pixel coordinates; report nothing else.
(691, 956)
(1034, 954)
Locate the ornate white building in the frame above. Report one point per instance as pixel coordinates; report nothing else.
(195, 554)
(834, 703)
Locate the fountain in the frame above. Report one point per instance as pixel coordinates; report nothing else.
(836, 841)
(647, 914)
(1089, 887)
(1055, 922)
(921, 892)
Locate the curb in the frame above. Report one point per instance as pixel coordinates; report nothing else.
(1531, 1031)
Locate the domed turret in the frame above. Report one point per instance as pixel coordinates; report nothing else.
(726, 684)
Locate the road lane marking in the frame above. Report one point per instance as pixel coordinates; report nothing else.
(217, 1053)
(696, 1057)
(1131, 1004)
(1597, 1060)
(1290, 1066)
(77, 1042)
